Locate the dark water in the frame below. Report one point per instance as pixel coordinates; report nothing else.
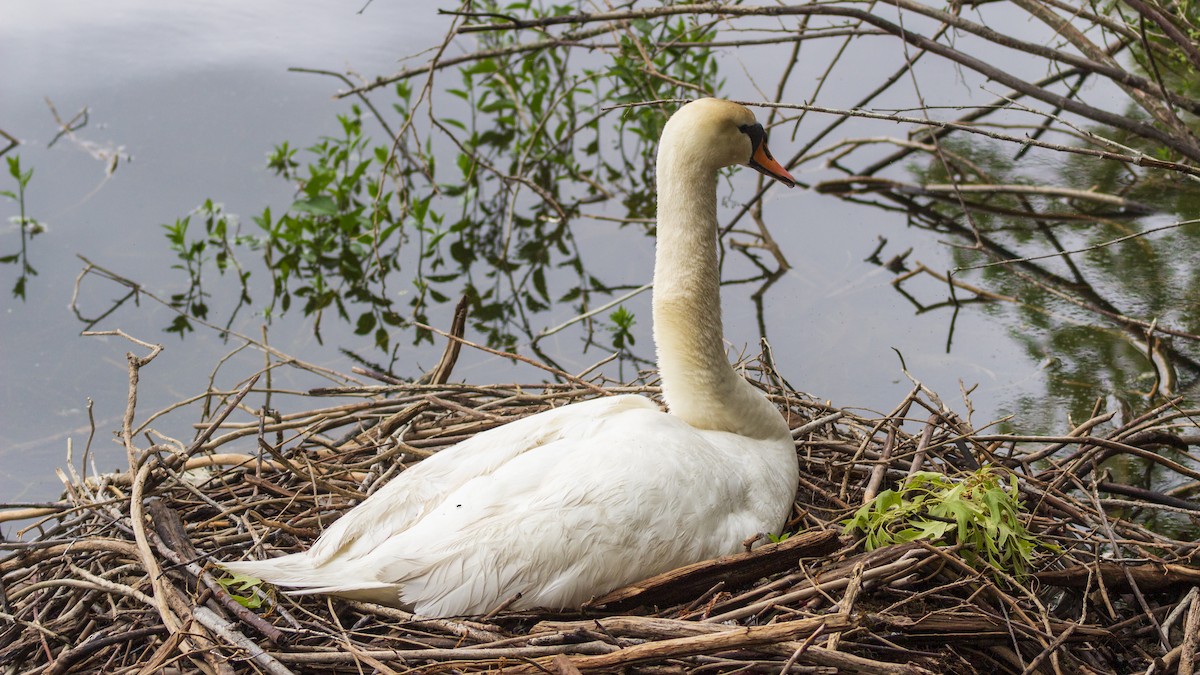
(190, 100)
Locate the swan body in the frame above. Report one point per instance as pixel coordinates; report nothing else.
(561, 506)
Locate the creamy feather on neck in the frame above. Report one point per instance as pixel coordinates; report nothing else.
(698, 383)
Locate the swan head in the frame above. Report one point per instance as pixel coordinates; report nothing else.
(711, 134)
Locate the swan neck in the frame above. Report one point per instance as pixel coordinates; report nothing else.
(698, 383)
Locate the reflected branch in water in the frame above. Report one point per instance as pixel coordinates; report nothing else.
(760, 314)
(12, 142)
(139, 291)
(480, 190)
(1091, 284)
(1092, 247)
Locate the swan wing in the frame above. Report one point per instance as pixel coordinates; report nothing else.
(618, 499)
(420, 489)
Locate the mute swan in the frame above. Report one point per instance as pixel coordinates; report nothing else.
(574, 502)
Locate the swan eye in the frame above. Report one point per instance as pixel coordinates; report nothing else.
(755, 132)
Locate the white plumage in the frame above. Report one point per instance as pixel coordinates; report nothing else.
(573, 502)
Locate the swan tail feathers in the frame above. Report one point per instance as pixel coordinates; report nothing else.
(298, 574)
(289, 570)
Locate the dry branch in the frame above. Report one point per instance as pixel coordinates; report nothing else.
(683, 584)
(728, 639)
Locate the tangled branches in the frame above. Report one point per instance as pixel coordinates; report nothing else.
(120, 575)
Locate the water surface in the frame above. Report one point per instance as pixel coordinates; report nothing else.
(187, 100)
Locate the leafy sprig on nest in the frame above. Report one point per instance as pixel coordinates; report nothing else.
(980, 511)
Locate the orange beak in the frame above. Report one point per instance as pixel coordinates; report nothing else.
(762, 161)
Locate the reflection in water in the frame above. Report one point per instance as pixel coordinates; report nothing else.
(1109, 314)
(28, 226)
(480, 206)
(485, 203)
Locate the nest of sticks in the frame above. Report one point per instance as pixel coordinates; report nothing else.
(120, 576)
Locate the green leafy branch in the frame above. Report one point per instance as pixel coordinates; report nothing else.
(980, 512)
(622, 328)
(28, 226)
(245, 590)
(480, 204)
(221, 236)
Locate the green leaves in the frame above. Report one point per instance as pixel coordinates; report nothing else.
(243, 589)
(622, 326)
(476, 197)
(321, 205)
(22, 177)
(218, 246)
(28, 227)
(979, 511)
